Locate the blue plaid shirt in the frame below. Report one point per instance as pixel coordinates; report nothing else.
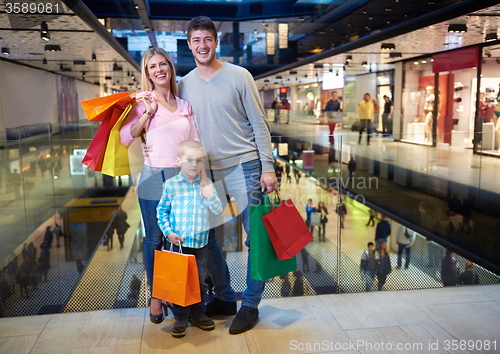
(184, 211)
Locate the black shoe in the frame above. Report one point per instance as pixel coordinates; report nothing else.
(203, 322)
(156, 318)
(179, 329)
(219, 307)
(246, 318)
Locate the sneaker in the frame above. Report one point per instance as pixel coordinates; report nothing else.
(202, 321)
(179, 329)
(246, 318)
(219, 307)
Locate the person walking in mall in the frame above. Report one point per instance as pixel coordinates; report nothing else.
(121, 225)
(168, 120)
(450, 271)
(323, 220)
(366, 113)
(405, 239)
(387, 116)
(371, 219)
(244, 143)
(384, 264)
(368, 267)
(332, 107)
(469, 276)
(382, 232)
(341, 210)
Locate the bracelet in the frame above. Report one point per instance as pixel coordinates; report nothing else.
(148, 113)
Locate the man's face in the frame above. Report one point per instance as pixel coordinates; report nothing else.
(191, 162)
(334, 96)
(371, 248)
(366, 98)
(203, 45)
(386, 99)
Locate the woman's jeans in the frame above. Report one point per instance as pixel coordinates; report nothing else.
(251, 195)
(149, 192)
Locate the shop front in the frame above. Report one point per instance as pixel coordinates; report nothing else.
(450, 98)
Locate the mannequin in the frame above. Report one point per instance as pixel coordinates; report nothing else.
(428, 108)
(496, 120)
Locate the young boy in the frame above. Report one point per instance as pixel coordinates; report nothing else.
(183, 218)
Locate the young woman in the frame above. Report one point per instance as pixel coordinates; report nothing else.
(384, 265)
(167, 120)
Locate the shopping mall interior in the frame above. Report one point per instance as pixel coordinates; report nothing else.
(70, 284)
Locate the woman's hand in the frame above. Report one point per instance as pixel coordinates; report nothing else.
(151, 103)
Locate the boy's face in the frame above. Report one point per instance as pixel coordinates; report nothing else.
(191, 162)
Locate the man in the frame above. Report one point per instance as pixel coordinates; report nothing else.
(233, 128)
(331, 109)
(366, 112)
(382, 232)
(368, 266)
(387, 116)
(405, 239)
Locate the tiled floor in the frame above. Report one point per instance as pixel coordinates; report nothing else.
(412, 321)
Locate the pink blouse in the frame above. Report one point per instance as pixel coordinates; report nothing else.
(166, 131)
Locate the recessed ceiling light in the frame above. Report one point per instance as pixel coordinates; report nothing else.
(5, 51)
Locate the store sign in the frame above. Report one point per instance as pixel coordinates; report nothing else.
(459, 59)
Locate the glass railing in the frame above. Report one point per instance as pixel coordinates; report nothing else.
(446, 196)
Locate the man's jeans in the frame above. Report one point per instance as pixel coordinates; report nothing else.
(217, 266)
(402, 247)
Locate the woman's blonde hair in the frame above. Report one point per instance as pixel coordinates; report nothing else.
(146, 83)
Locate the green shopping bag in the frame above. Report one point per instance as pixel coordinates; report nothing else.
(264, 263)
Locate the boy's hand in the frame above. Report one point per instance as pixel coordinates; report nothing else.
(208, 191)
(174, 238)
(146, 149)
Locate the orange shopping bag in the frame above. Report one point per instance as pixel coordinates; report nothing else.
(175, 278)
(97, 109)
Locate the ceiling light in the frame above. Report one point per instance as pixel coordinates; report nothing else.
(116, 67)
(318, 66)
(83, 75)
(255, 31)
(136, 7)
(79, 62)
(44, 31)
(107, 78)
(52, 48)
(44, 61)
(293, 72)
(388, 9)
(457, 27)
(348, 58)
(94, 58)
(498, 60)
(416, 63)
(346, 63)
(492, 36)
(365, 63)
(395, 55)
(388, 46)
(5, 51)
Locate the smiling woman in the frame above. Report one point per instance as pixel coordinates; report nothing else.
(167, 121)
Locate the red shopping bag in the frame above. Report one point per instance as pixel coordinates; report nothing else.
(287, 230)
(95, 152)
(175, 278)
